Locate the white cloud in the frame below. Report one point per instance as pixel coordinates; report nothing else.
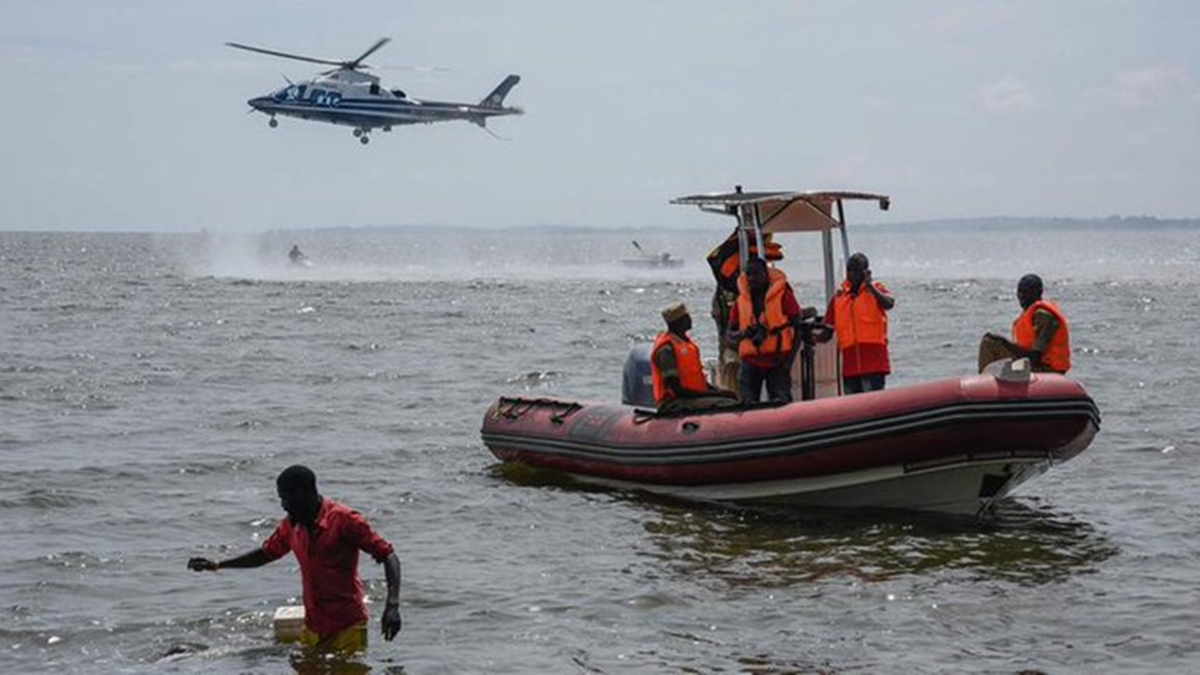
(1009, 96)
(1142, 87)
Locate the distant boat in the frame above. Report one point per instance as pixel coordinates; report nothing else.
(650, 260)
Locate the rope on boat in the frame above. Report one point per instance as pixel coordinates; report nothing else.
(641, 415)
(515, 408)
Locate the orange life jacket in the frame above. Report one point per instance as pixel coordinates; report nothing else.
(858, 319)
(780, 332)
(687, 360)
(726, 262)
(1057, 356)
(729, 266)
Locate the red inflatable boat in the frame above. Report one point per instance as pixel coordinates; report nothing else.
(951, 446)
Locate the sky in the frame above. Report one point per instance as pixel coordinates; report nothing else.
(131, 115)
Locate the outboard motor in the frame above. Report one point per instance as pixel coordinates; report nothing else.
(637, 387)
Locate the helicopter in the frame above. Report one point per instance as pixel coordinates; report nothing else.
(348, 96)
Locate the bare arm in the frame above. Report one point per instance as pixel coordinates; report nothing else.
(391, 621)
(255, 558)
(886, 302)
(1045, 325)
(665, 360)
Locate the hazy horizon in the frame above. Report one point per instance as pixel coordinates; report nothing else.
(715, 225)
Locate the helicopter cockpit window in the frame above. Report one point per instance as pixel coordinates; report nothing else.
(398, 93)
(292, 92)
(374, 88)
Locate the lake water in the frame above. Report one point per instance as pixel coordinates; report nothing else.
(152, 386)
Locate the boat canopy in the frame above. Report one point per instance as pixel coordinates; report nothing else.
(772, 212)
(780, 211)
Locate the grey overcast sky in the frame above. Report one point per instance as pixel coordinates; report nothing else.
(131, 114)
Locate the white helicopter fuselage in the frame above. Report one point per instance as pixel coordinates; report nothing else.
(348, 96)
(357, 100)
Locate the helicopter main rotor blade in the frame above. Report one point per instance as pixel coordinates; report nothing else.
(298, 57)
(357, 63)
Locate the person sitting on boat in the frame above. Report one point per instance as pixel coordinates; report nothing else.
(858, 314)
(676, 369)
(1040, 333)
(764, 322)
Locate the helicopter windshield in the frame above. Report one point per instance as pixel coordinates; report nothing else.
(292, 92)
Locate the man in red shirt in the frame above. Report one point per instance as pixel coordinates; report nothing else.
(858, 314)
(326, 537)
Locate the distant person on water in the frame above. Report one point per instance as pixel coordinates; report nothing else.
(764, 322)
(1040, 333)
(325, 537)
(858, 314)
(676, 369)
(296, 256)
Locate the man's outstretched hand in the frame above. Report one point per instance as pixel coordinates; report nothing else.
(201, 565)
(391, 621)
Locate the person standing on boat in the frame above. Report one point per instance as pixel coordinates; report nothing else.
(764, 322)
(727, 355)
(858, 314)
(326, 537)
(723, 260)
(676, 369)
(1040, 333)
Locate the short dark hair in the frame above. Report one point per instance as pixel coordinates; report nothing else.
(297, 477)
(1030, 284)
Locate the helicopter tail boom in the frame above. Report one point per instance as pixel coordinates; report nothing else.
(496, 98)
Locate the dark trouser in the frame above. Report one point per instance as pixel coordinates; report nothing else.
(863, 383)
(778, 379)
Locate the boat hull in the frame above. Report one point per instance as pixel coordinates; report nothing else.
(652, 262)
(953, 446)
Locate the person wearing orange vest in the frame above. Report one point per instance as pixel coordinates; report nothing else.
(1040, 333)
(676, 370)
(764, 323)
(858, 314)
(724, 263)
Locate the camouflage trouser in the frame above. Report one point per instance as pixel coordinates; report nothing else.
(727, 369)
